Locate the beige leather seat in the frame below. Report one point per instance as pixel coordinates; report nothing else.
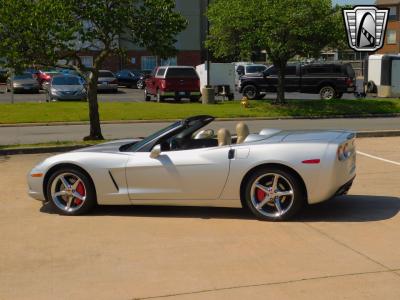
(224, 137)
(242, 131)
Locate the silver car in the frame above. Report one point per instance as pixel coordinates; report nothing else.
(66, 87)
(107, 82)
(23, 83)
(273, 173)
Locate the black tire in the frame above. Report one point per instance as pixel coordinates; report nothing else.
(327, 92)
(251, 92)
(262, 96)
(231, 97)
(269, 211)
(88, 204)
(146, 96)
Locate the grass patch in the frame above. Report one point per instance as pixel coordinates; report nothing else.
(112, 111)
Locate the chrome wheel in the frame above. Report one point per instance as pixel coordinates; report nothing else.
(140, 84)
(68, 192)
(327, 93)
(272, 195)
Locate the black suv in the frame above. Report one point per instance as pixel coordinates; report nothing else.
(328, 80)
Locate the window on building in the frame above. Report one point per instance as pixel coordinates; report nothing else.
(172, 61)
(87, 61)
(391, 37)
(392, 13)
(149, 63)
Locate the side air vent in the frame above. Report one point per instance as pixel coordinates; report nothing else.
(113, 180)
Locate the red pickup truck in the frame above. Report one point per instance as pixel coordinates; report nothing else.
(175, 82)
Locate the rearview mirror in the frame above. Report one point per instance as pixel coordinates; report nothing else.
(155, 152)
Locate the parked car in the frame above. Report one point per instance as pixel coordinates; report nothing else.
(44, 77)
(175, 82)
(23, 83)
(131, 78)
(250, 69)
(274, 173)
(66, 87)
(107, 82)
(328, 80)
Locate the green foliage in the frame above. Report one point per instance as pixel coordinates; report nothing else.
(44, 32)
(284, 28)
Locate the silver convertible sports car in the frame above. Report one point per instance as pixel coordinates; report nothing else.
(273, 173)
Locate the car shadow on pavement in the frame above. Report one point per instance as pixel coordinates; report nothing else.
(351, 208)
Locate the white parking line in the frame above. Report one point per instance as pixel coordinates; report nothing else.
(379, 158)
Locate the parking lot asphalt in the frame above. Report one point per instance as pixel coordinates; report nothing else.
(346, 248)
(135, 95)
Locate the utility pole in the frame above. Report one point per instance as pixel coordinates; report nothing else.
(12, 74)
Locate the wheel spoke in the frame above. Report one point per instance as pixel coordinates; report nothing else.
(284, 193)
(275, 183)
(262, 203)
(79, 196)
(278, 206)
(75, 185)
(60, 193)
(262, 187)
(65, 182)
(69, 202)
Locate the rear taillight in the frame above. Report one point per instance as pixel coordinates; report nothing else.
(349, 82)
(344, 151)
(46, 77)
(163, 84)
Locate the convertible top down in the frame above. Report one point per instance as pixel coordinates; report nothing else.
(273, 173)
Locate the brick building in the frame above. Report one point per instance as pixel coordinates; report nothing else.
(392, 38)
(190, 43)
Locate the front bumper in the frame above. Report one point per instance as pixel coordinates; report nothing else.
(35, 185)
(68, 96)
(107, 87)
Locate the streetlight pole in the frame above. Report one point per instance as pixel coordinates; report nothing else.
(208, 51)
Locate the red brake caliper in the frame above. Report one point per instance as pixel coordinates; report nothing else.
(260, 195)
(81, 190)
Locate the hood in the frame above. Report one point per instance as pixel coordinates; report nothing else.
(25, 81)
(113, 146)
(67, 88)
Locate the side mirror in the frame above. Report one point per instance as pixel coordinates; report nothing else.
(155, 152)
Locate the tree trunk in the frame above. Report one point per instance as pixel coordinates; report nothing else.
(280, 97)
(94, 117)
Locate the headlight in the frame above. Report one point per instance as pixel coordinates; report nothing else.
(54, 91)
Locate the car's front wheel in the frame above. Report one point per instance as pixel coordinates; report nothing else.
(70, 192)
(147, 97)
(274, 195)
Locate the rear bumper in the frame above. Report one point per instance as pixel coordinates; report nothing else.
(180, 94)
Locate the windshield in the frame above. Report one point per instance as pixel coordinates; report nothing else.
(66, 81)
(255, 69)
(23, 76)
(143, 142)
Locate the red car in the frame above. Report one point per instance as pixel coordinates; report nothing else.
(175, 82)
(44, 77)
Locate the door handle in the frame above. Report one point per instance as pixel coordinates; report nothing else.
(231, 154)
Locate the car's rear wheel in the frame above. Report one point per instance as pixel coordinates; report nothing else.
(327, 92)
(273, 194)
(70, 192)
(251, 92)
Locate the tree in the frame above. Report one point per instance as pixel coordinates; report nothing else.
(284, 28)
(55, 32)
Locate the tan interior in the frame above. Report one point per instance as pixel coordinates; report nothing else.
(224, 137)
(242, 131)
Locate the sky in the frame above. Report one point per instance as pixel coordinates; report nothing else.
(353, 2)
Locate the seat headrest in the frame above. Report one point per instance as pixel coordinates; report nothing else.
(224, 137)
(242, 131)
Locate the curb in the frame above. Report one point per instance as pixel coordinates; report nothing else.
(362, 116)
(360, 134)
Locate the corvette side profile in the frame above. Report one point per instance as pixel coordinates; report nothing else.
(273, 173)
